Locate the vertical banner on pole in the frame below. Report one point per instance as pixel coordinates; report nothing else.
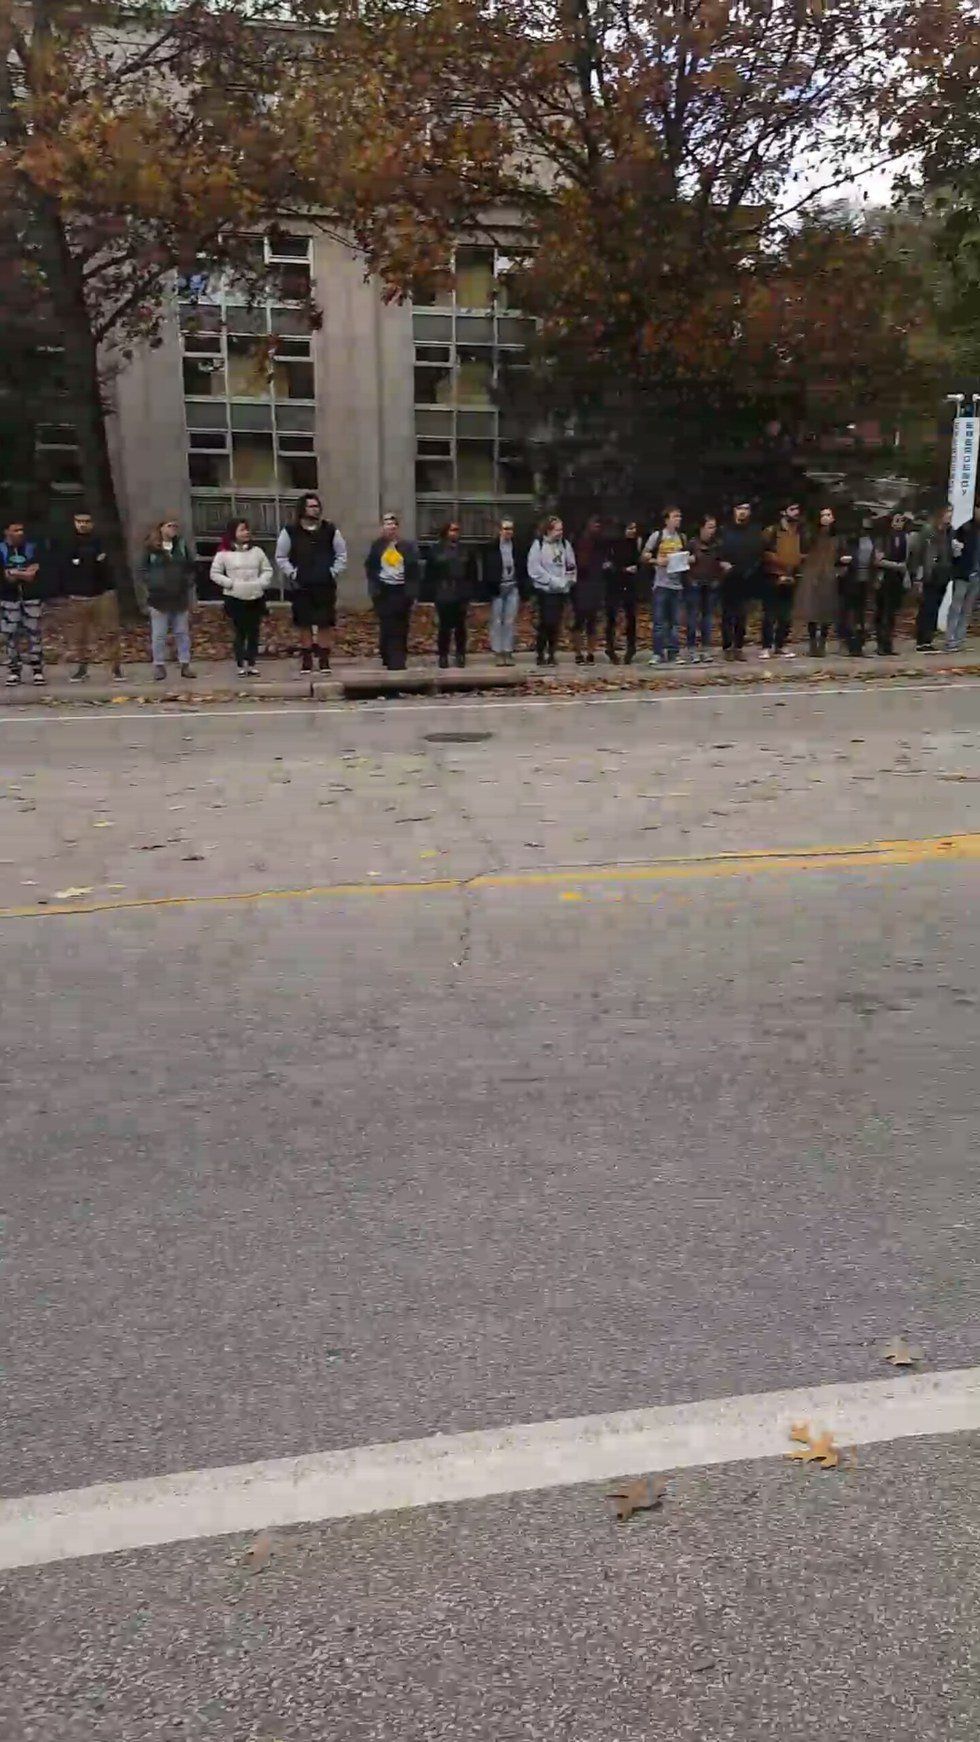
(963, 468)
(962, 485)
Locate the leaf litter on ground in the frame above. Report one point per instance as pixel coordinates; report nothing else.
(642, 1494)
(259, 1553)
(817, 1448)
(899, 1353)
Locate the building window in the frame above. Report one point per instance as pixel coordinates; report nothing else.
(249, 396)
(467, 341)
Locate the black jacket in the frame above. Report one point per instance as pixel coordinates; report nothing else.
(409, 585)
(894, 548)
(743, 547)
(450, 574)
(83, 568)
(492, 568)
(852, 548)
(624, 575)
(968, 560)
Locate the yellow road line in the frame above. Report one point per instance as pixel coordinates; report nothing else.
(931, 849)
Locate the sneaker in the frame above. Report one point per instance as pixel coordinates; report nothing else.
(241, 670)
(580, 659)
(765, 653)
(79, 674)
(541, 660)
(786, 653)
(187, 671)
(444, 664)
(306, 660)
(13, 677)
(739, 656)
(118, 673)
(656, 659)
(251, 671)
(324, 660)
(706, 658)
(39, 677)
(590, 659)
(159, 673)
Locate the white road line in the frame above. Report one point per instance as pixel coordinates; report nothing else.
(112, 1517)
(475, 704)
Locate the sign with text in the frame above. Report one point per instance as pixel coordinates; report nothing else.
(963, 469)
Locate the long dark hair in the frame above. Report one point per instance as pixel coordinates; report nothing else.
(231, 527)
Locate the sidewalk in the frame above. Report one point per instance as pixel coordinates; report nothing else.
(281, 680)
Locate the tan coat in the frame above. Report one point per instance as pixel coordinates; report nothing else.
(819, 591)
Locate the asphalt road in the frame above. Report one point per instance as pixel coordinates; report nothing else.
(362, 1164)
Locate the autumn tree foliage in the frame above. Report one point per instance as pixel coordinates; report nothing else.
(132, 138)
(669, 162)
(660, 162)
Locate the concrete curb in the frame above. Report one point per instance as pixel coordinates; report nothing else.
(362, 682)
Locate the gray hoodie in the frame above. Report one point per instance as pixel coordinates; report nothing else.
(551, 565)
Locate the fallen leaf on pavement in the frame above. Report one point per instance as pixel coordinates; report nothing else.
(103, 823)
(813, 1448)
(259, 1553)
(642, 1495)
(70, 894)
(899, 1353)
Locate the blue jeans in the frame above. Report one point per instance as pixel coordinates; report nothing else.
(503, 616)
(175, 623)
(964, 598)
(667, 602)
(700, 600)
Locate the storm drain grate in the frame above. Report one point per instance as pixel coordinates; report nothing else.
(457, 737)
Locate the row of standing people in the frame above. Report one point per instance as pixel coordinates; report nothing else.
(822, 579)
(310, 556)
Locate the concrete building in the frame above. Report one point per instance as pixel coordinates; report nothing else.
(241, 408)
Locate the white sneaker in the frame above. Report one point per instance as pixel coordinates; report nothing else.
(786, 653)
(242, 670)
(766, 653)
(656, 659)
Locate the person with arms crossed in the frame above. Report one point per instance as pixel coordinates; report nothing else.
(21, 608)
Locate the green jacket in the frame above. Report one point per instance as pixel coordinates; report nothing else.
(165, 579)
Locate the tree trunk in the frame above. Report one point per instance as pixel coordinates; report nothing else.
(85, 406)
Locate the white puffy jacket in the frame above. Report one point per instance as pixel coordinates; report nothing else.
(242, 574)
